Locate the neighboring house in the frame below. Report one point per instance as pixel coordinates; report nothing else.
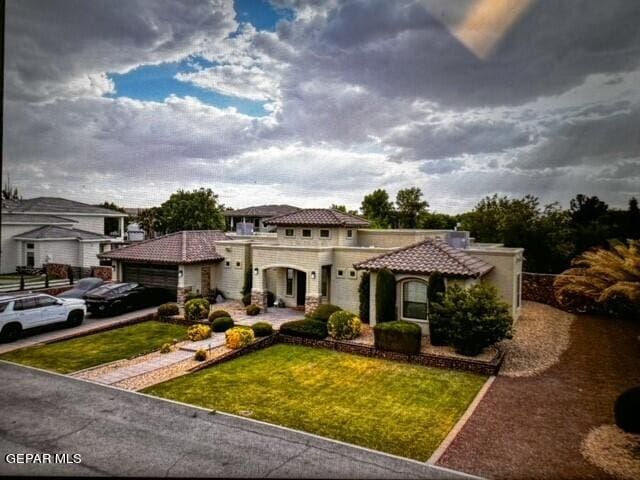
(254, 217)
(43, 230)
(317, 256)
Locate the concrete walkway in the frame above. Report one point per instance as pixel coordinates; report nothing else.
(122, 433)
(88, 325)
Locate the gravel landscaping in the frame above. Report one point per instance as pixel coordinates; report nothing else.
(541, 336)
(614, 451)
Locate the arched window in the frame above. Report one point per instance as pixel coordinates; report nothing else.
(414, 300)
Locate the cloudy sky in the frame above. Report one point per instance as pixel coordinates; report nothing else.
(313, 102)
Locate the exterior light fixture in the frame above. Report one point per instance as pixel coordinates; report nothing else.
(255, 271)
(180, 273)
(313, 275)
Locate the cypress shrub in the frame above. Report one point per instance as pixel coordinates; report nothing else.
(397, 336)
(248, 281)
(385, 296)
(364, 290)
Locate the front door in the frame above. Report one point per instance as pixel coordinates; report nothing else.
(301, 287)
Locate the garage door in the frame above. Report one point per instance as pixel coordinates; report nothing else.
(163, 276)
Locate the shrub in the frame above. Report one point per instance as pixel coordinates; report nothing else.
(192, 296)
(165, 348)
(343, 325)
(262, 329)
(397, 336)
(306, 328)
(436, 287)
(364, 291)
(196, 309)
(438, 330)
(248, 281)
(222, 324)
(471, 319)
(198, 332)
(385, 296)
(201, 355)
(218, 314)
(246, 299)
(627, 410)
(168, 310)
(238, 337)
(253, 310)
(323, 312)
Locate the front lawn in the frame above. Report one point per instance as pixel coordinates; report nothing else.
(402, 409)
(84, 352)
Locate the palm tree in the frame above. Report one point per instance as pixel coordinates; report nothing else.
(609, 278)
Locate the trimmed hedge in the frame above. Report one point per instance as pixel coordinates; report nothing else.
(253, 310)
(627, 410)
(168, 310)
(222, 324)
(262, 329)
(218, 314)
(305, 328)
(323, 312)
(343, 325)
(196, 309)
(198, 332)
(398, 336)
(385, 296)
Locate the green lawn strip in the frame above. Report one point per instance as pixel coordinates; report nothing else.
(393, 407)
(84, 352)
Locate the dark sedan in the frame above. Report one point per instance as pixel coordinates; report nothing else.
(117, 298)
(82, 287)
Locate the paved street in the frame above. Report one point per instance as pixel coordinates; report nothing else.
(123, 433)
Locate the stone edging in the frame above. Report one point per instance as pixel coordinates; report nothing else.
(259, 344)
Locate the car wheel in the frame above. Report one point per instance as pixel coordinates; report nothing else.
(75, 318)
(10, 332)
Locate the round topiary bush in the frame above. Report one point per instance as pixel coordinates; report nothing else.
(168, 310)
(627, 410)
(398, 336)
(246, 299)
(198, 332)
(262, 329)
(218, 314)
(238, 337)
(201, 355)
(166, 348)
(253, 310)
(323, 312)
(221, 324)
(306, 328)
(343, 325)
(196, 309)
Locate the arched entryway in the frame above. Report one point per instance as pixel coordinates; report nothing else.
(288, 283)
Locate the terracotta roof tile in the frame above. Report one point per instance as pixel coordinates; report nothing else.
(319, 217)
(427, 257)
(53, 232)
(262, 211)
(189, 246)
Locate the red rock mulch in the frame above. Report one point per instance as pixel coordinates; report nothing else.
(533, 427)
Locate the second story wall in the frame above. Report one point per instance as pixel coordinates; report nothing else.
(317, 236)
(396, 238)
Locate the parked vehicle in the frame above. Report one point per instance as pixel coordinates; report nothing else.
(117, 298)
(82, 287)
(30, 310)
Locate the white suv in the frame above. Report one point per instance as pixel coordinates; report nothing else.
(28, 310)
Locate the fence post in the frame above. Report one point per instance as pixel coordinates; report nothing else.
(21, 282)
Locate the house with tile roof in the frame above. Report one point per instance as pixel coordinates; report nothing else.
(253, 218)
(317, 256)
(42, 230)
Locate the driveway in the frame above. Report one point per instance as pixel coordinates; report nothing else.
(127, 434)
(57, 332)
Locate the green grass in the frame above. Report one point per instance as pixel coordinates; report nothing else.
(84, 352)
(397, 408)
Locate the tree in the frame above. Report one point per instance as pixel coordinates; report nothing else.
(9, 192)
(437, 221)
(610, 278)
(377, 208)
(195, 210)
(633, 220)
(409, 206)
(585, 210)
(149, 220)
(343, 209)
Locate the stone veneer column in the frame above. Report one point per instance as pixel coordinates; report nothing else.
(311, 302)
(259, 298)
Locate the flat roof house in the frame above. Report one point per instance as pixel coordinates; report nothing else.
(318, 256)
(43, 230)
(256, 216)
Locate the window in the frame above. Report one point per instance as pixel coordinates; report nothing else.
(238, 264)
(227, 264)
(289, 291)
(349, 233)
(324, 233)
(340, 273)
(46, 301)
(256, 223)
(3, 306)
(25, 304)
(30, 246)
(31, 259)
(414, 300)
(306, 232)
(352, 274)
(288, 232)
